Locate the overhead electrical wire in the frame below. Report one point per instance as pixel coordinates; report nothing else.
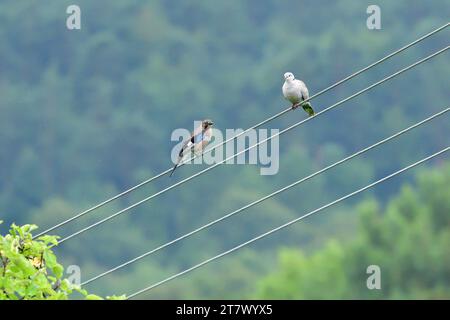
(373, 184)
(241, 209)
(101, 204)
(253, 146)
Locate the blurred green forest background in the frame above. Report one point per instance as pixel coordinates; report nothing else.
(85, 114)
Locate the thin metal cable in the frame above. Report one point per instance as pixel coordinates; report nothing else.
(241, 133)
(288, 223)
(268, 196)
(251, 147)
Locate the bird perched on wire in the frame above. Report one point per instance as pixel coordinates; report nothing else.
(296, 91)
(199, 139)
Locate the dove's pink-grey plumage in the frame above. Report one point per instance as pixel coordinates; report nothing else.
(296, 92)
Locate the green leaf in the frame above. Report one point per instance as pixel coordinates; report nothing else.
(31, 290)
(93, 297)
(50, 259)
(65, 285)
(58, 296)
(28, 228)
(83, 292)
(42, 281)
(121, 297)
(13, 229)
(58, 271)
(21, 264)
(49, 239)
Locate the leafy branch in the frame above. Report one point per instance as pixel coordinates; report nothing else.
(30, 269)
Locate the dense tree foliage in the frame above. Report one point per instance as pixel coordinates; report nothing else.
(408, 239)
(85, 114)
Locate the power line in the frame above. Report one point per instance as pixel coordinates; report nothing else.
(268, 196)
(288, 223)
(243, 132)
(253, 146)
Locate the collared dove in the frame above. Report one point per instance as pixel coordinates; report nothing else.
(296, 91)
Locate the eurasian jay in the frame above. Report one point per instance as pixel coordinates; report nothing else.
(199, 139)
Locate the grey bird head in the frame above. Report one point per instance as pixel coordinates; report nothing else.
(207, 123)
(288, 76)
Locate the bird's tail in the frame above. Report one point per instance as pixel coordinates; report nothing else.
(173, 170)
(308, 108)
